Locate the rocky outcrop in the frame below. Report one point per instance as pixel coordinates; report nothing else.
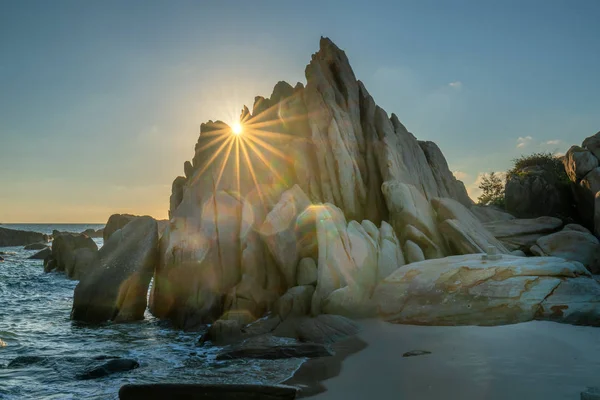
(322, 197)
(570, 244)
(116, 289)
(116, 222)
(521, 234)
(581, 165)
(13, 237)
(467, 290)
(536, 192)
(74, 254)
(42, 254)
(36, 246)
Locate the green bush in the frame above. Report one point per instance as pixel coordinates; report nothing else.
(545, 160)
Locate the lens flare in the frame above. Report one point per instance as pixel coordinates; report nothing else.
(237, 129)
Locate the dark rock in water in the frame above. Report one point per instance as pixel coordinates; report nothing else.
(222, 332)
(299, 350)
(25, 361)
(1, 259)
(116, 222)
(49, 263)
(413, 353)
(111, 367)
(13, 237)
(41, 255)
(36, 246)
(93, 233)
(75, 254)
(176, 391)
(117, 289)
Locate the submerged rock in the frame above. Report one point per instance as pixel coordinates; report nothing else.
(13, 237)
(110, 367)
(116, 290)
(74, 254)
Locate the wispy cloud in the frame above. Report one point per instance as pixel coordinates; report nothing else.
(463, 176)
(523, 141)
(553, 142)
(455, 84)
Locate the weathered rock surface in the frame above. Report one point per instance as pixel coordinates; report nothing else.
(307, 272)
(116, 222)
(74, 254)
(295, 302)
(487, 214)
(466, 290)
(116, 289)
(462, 231)
(222, 332)
(570, 245)
(579, 162)
(521, 234)
(13, 237)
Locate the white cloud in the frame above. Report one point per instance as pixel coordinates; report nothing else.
(523, 141)
(461, 175)
(455, 84)
(553, 142)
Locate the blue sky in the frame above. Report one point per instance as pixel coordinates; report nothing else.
(101, 101)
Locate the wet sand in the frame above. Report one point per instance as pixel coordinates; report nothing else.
(533, 360)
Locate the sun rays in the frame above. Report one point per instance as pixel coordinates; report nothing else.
(249, 149)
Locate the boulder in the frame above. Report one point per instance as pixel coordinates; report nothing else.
(490, 213)
(74, 254)
(307, 272)
(116, 222)
(568, 244)
(519, 234)
(462, 231)
(413, 252)
(579, 162)
(535, 192)
(94, 233)
(295, 302)
(278, 231)
(222, 332)
(470, 290)
(117, 289)
(13, 237)
(41, 255)
(108, 368)
(576, 227)
(592, 143)
(36, 246)
(1, 259)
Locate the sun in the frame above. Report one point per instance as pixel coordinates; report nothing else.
(237, 128)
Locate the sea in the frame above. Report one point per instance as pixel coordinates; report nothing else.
(34, 323)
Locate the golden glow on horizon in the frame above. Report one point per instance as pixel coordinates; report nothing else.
(237, 129)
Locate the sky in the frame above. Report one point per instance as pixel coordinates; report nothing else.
(101, 101)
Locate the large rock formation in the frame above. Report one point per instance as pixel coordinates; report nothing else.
(582, 166)
(319, 199)
(116, 222)
(13, 237)
(74, 254)
(116, 289)
(468, 290)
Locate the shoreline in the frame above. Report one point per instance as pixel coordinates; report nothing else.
(534, 360)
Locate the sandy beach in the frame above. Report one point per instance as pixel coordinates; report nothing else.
(533, 360)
